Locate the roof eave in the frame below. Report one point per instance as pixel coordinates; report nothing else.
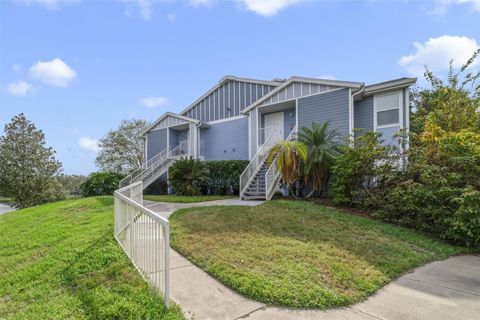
(389, 85)
(224, 80)
(339, 83)
(168, 113)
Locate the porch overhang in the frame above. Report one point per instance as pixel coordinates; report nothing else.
(173, 120)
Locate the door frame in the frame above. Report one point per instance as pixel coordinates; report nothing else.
(282, 122)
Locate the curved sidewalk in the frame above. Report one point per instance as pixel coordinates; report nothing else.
(448, 289)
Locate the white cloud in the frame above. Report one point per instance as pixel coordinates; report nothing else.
(441, 6)
(198, 3)
(88, 144)
(436, 54)
(267, 8)
(152, 102)
(49, 4)
(56, 72)
(143, 7)
(19, 88)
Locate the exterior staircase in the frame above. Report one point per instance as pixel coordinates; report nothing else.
(155, 167)
(256, 187)
(260, 180)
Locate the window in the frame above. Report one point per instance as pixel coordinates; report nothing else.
(388, 109)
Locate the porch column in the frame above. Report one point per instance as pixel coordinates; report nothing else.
(192, 140)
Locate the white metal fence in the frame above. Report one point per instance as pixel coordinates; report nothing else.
(144, 236)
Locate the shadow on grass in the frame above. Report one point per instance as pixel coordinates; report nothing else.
(108, 286)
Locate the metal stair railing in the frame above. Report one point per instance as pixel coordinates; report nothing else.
(272, 176)
(255, 164)
(153, 165)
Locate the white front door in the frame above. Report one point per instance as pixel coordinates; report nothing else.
(274, 122)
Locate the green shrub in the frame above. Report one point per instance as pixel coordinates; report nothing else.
(439, 191)
(101, 183)
(361, 171)
(187, 175)
(464, 223)
(223, 176)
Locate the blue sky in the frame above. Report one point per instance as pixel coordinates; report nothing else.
(78, 68)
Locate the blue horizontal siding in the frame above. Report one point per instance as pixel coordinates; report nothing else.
(363, 115)
(157, 141)
(330, 106)
(226, 140)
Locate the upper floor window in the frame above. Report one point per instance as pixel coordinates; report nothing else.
(387, 108)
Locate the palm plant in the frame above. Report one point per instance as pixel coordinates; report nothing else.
(323, 146)
(186, 176)
(290, 156)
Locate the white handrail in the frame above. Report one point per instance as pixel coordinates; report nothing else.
(249, 172)
(144, 236)
(272, 175)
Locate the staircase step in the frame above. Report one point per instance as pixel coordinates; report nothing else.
(254, 197)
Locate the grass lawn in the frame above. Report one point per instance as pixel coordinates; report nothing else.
(60, 261)
(183, 199)
(298, 254)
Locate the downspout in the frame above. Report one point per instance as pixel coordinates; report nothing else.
(352, 121)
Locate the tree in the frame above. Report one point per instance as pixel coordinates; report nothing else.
(187, 175)
(290, 154)
(71, 183)
(121, 150)
(323, 148)
(451, 105)
(101, 183)
(28, 168)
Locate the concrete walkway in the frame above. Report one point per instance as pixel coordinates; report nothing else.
(440, 290)
(4, 208)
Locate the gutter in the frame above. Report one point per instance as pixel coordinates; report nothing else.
(361, 90)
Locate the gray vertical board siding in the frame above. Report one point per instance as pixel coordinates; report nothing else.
(169, 121)
(296, 90)
(157, 141)
(363, 115)
(388, 135)
(329, 106)
(236, 95)
(226, 140)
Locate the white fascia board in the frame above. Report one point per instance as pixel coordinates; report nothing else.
(337, 83)
(389, 85)
(171, 114)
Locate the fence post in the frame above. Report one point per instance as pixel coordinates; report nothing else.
(167, 265)
(130, 216)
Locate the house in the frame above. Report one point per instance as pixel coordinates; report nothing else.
(241, 118)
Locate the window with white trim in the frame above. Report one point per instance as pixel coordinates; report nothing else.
(388, 109)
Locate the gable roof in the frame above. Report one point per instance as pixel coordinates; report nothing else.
(226, 79)
(182, 119)
(336, 83)
(389, 85)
